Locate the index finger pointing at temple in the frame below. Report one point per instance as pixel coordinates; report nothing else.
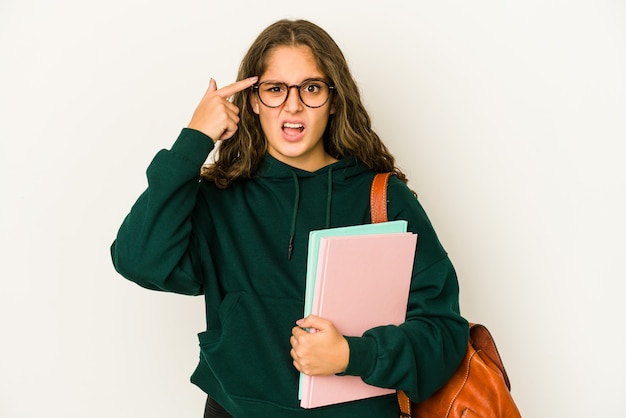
(236, 87)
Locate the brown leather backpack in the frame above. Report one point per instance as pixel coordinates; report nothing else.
(480, 387)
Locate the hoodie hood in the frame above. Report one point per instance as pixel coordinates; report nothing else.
(344, 169)
(338, 172)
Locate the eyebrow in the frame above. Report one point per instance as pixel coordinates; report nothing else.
(303, 81)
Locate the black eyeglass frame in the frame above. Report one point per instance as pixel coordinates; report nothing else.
(257, 86)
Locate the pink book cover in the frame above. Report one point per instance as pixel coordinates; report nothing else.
(362, 282)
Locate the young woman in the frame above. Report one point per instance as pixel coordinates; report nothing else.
(297, 153)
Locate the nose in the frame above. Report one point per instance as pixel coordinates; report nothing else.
(293, 103)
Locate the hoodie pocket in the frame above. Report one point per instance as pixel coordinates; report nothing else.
(249, 354)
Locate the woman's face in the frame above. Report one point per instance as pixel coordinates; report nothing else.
(294, 131)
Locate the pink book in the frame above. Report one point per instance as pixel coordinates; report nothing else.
(362, 282)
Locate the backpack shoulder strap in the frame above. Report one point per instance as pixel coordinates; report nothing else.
(378, 197)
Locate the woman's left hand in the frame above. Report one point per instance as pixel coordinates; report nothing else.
(320, 351)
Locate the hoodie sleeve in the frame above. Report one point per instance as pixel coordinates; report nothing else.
(420, 355)
(155, 246)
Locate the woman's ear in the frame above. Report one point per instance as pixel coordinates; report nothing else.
(333, 101)
(254, 102)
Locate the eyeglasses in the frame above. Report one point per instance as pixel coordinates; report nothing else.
(313, 92)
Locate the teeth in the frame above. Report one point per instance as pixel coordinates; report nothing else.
(293, 125)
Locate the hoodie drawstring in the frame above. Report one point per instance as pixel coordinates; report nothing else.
(329, 196)
(296, 206)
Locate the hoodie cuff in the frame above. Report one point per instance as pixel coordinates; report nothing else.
(362, 356)
(193, 146)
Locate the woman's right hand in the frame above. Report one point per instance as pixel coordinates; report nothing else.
(216, 116)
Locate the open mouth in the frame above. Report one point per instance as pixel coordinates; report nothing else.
(293, 127)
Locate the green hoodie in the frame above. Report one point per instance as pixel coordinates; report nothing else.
(245, 249)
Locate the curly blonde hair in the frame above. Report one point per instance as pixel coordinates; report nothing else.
(348, 133)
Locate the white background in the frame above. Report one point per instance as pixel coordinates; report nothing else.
(509, 118)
